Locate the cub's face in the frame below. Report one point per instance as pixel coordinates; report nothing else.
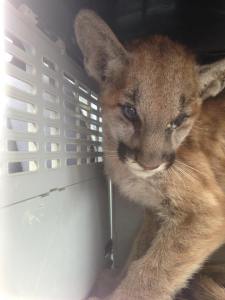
(150, 94)
(150, 111)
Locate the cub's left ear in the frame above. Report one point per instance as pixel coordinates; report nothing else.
(212, 79)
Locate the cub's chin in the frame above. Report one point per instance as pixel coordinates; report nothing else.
(136, 169)
(118, 170)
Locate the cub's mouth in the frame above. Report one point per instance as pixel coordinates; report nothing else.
(142, 172)
(131, 158)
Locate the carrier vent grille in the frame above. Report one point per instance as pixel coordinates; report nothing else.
(53, 120)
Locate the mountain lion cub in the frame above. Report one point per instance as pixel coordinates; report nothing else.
(164, 148)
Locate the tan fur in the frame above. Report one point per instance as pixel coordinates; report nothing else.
(161, 79)
(208, 284)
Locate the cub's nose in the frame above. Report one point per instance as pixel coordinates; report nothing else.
(149, 166)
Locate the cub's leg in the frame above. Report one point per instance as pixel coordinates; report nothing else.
(208, 284)
(144, 238)
(182, 244)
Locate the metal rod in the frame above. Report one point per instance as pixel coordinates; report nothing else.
(111, 219)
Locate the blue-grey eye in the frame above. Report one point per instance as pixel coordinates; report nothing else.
(177, 122)
(129, 111)
(180, 120)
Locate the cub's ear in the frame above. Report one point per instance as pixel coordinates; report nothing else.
(212, 79)
(104, 56)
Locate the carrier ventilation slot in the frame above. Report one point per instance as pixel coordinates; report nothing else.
(19, 84)
(71, 161)
(52, 131)
(48, 63)
(69, 79)
(94, 117)
(17, 42)
(83, 88)
(71, 148)
(18, 63)
(94, 96)
(22, 146)
(52, 163)
(100, 149)
(94, 106)
(22, 166)
(52, 147)
(21, 126)
(83, 100)
(94, 138)
(93, 127)
(20, 105)
(84, 112)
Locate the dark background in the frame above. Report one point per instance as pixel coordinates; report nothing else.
(198, 24)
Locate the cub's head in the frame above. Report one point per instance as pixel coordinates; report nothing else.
(151, 94)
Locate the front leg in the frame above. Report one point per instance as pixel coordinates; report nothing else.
(144, 238)
(179, 249)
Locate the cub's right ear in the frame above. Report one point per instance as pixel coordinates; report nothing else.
(211, 79)
(104, 56)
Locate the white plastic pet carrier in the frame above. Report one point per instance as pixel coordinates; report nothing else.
(54, 214)
(56, 204)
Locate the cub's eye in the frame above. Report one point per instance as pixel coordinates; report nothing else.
(177, 122)
(129, 112)
(180, 119)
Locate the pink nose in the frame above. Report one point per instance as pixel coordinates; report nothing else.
(150, 166)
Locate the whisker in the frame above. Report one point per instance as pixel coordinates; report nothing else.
(184, 172)
(190, 167)
(174, 172)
